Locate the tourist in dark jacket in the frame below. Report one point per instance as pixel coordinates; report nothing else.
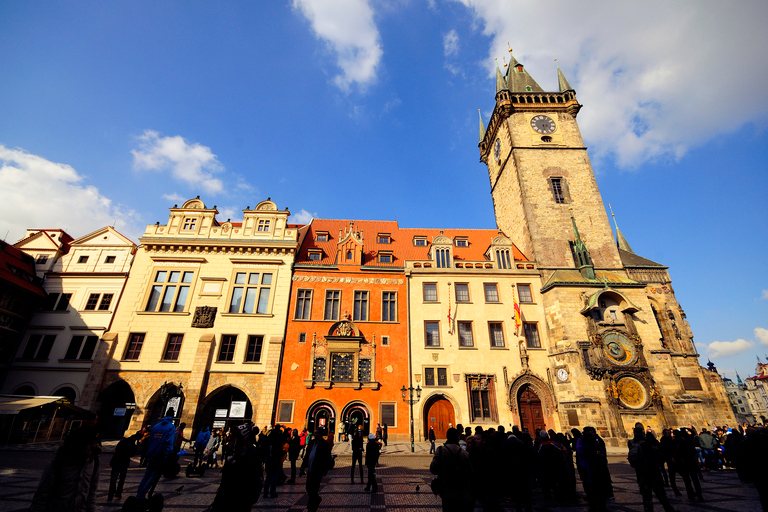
(294, 447)
(593, 469)
(750, 456)
(453, 468)
(120, 462)
(644, 457)
(517, 462)
(241, 475)
(686, 461)
(161, 443)
(70, 481)
(318, 463)
(372, 452)
(201, 441)
(431, 437)
(357, 456)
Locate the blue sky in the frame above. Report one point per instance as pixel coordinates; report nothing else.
(112, 112)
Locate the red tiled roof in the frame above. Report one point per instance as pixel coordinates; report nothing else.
(401, 246)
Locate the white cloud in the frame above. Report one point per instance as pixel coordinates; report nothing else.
(765, 294)
(655, 78)
(38, 193)
(728, 348)
(232, 213)
(192, 164)
(761, 335)
(348, 28)
(302, 217)
(174, 197)
(450, 43)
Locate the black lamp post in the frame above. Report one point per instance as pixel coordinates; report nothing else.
(411, 400)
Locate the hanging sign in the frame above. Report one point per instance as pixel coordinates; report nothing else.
(219, 423)
(221, 413)
(174, 403)
(237, 410)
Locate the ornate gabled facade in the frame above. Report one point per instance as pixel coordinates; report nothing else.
(84, 280)
(346, 348)
(201, 323)
(613, 323)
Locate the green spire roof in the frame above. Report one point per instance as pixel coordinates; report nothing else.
(482, 125)
(518, 79)
(621, 242)
(580, 251)
(562, 82)
(501, 84)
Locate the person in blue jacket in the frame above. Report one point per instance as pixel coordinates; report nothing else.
(159, 450)
(200, 443)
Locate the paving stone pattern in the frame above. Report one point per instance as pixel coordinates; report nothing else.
(399, 475)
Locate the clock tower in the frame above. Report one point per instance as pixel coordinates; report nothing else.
(617, 349)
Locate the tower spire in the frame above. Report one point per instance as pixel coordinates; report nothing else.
(482, 125)
(501, 84)
(621, 242)
(738, 379)
(580, 251)
(561, 80)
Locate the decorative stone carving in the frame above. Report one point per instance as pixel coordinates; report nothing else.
(204, 317)
(344, 329)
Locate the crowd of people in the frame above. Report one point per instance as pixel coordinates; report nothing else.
(485, 466)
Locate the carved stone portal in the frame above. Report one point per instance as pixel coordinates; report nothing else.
(204, 317)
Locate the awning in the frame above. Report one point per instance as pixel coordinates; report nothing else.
(13, 404)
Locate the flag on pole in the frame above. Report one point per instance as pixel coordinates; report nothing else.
(518, 320)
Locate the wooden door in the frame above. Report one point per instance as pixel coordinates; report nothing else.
(529, 405)
(440, 416)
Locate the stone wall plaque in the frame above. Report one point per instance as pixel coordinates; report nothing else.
(204, 317)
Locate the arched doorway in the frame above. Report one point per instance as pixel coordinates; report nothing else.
(529, 405)
(322, 414)
(438, 414)
(67, 392)
(167, 397)
(25, 391)
(117, 405)
(356, 417)
(226, 406)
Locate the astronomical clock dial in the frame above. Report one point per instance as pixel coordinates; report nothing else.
(632, 393)
(543, 124)
(497, 150)
(618, 348)
(562, 375)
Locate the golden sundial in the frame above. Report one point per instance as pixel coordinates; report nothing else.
(631, 392)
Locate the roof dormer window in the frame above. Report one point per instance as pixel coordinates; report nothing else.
(419, 241)
(461, 242)
(315, 255)
(384, 238)
(263, 225)
(322, 236)
(189, 223)
(385, 257)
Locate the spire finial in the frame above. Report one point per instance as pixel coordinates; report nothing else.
(621, 242)
(482, 125)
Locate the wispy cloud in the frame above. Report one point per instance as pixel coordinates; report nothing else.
(174, 197)
(233, 213)
(349, 30)
(302, 217)
(729, 348)
(35, 192)
(642, 70)
(765, 294)
(451, 43)
(193, 164)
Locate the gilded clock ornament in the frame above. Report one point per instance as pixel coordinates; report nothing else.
(543, 124)
(631, 393)
(618, 348)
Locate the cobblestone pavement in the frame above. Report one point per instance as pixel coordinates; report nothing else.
(403, 486)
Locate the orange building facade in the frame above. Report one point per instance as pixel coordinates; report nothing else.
(345, 358)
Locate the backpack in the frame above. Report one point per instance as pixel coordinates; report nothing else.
(636, 456)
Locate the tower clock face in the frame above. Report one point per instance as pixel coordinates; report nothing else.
(618, 348)
(497, 150)
(543, 124)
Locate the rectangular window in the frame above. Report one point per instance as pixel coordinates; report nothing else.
(462, 292)
(106, 301)
(50, 302)
(251, 293)
(385, 257)
(322, 237)
(432, 334)
(82, 259)
(38, 346)
(227, 348)
(496, 333)
(385, 341)
(303, 305)
(442, 376)
(45, 346)
(93, 301)
(491, 292)
(388, 415)
(532, 335)
(285, 411)
(81, 347)
(389, 306)
(443, 257)
(263, 225)
(253, 351)
(461, 242)
(332, 300)
(429, 376)
(465, 334)
(361, 306)
(524, 292)
(63, 303)
(430, 292)
(109, 259)
(189, 223)
(41, 259)
(384, 238)
(169, 291)
(364, 370)
(318, 369)
(341, 367)
(302, 337)
(503, 260)
(419, 241)
(557, 190)
(481, 398)
(133, 350)
(173, 347)
(315, 255)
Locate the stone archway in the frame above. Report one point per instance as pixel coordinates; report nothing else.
(438, 413)
(321, 414)
(536, 395)
(117, 406)
(355, 415)
(224, 407)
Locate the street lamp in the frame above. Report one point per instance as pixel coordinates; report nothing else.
(411, 400)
